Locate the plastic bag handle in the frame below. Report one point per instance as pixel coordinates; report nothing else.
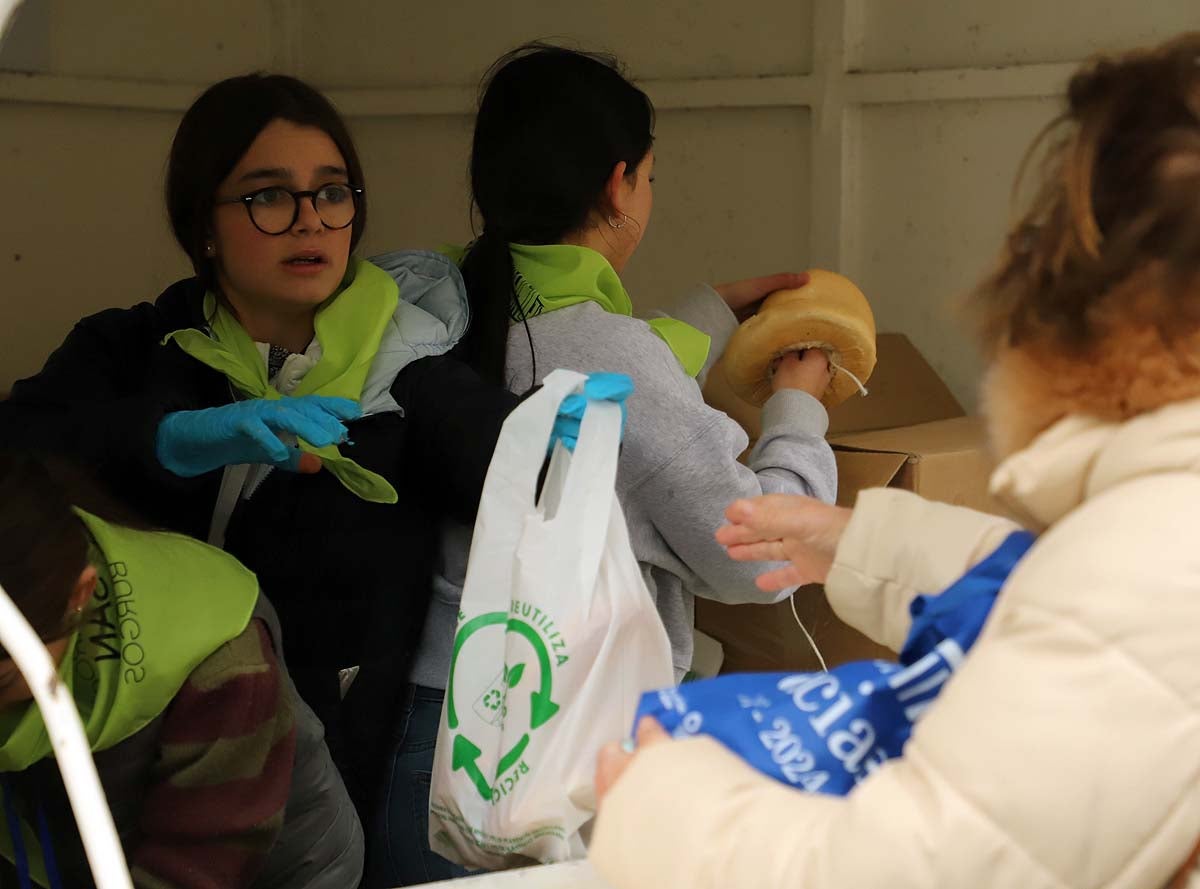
(511, 484)
(586, 503)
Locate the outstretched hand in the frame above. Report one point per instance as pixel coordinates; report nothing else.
(785, 528)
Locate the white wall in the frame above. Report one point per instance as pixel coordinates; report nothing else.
(84, 146)
(878, 137)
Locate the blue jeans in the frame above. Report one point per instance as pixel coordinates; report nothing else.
(398, 845)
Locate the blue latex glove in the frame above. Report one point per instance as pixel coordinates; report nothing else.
(190, 443)
(599, 387)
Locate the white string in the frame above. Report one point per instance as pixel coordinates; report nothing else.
(861, 388)
(829, 354)
(807, 635)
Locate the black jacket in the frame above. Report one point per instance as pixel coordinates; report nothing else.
(350, 579)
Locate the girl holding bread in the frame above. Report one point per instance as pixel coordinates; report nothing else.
(561, 172)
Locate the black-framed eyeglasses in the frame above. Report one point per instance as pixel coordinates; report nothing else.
(274, 210)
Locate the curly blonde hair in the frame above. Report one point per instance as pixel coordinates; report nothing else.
(1094, 308)
(1113, 234)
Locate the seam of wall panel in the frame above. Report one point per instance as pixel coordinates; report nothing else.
(898, 87)
(286, 49)
(827, 204)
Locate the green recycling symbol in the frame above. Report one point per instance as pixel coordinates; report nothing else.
(465, 755)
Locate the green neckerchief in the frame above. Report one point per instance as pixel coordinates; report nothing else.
(349, 328)
(163, 603)
(553, 276)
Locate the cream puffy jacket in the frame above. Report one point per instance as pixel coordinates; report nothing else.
(1065, 753)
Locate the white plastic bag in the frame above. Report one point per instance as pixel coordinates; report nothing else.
(557, 638)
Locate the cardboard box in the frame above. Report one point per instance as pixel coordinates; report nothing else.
(946, 460)
(910, 433)
(903, 391)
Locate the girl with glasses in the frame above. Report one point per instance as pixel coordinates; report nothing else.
(288, 402)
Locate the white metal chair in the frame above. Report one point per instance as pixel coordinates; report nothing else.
(71, 749)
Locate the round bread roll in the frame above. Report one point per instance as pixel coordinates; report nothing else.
(828, 313)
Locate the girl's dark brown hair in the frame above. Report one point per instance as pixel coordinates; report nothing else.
(43, 544)
(218, 129)
(552, 124)
(1113, 235)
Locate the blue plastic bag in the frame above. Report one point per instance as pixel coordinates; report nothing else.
(825, 732)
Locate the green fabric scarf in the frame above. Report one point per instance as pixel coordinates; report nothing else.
(349, 328)
(163, 603)
(553, 276)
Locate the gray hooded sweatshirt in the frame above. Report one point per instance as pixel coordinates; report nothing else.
(678, 469)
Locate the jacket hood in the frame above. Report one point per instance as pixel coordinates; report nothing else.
(1081, 457)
